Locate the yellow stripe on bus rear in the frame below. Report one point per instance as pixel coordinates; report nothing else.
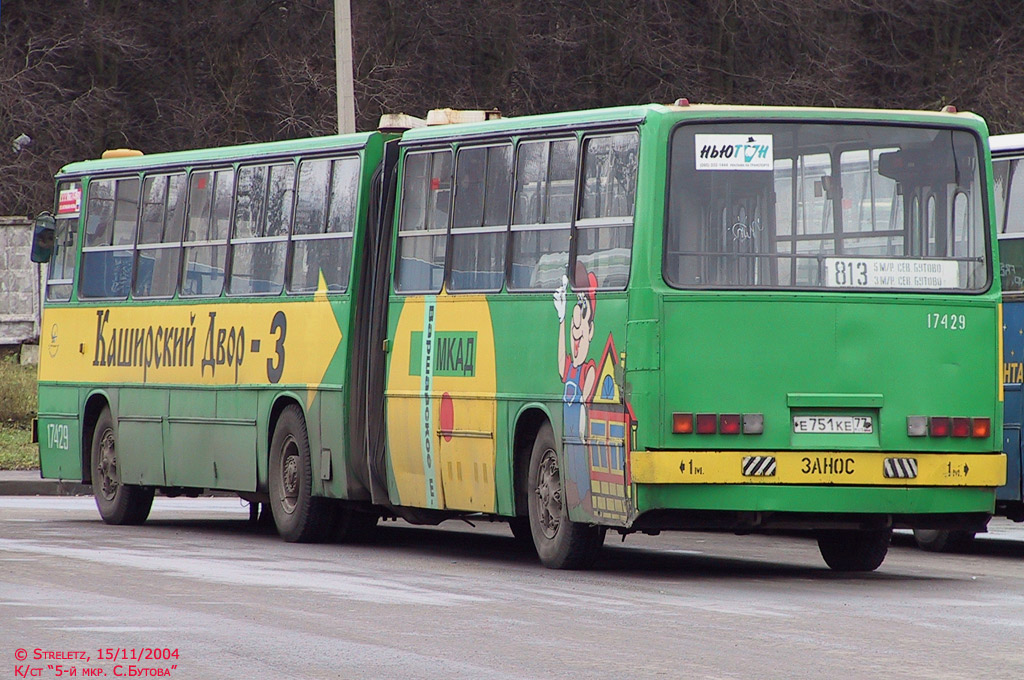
(817, 467)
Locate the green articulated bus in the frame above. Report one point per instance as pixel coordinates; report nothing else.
(639, 319)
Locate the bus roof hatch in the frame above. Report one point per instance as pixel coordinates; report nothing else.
(453, 116)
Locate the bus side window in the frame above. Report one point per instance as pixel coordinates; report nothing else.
(541, 220)
(423, 222)
(263, 216)
(1000, 186)
(111, 218)
(1014, 220)
(158, 253)
(604, 226)
(99, 213)
(325, 217)
(61, 272)
(483, 192)
(208, 221)
(1010, 207)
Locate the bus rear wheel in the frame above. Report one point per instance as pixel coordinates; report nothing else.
(560, 543)
(299, 516)
(845, 550)
(938, 540)
(117, 502)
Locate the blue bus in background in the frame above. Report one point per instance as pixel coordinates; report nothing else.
(1008, 175)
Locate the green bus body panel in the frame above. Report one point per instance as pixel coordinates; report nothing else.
(331, 456)
(140, 435)
(60, 434)
(211, 439)
(788, 355)
(816, 499)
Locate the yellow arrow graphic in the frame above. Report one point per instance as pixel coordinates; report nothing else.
(323, 336)
(273, 341)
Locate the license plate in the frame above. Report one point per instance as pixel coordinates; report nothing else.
(832, 424)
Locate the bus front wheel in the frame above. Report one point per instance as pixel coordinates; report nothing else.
(560, 543)
(845, 550)
(300, 517)
(117, 502)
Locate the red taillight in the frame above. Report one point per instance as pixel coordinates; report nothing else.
(714, 423)
(961, 427)
(682, 423)
(729, 423)
(707, 423)
(939, 427)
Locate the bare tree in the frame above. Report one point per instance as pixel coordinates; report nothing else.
(160, 75)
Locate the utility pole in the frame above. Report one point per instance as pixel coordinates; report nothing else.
(343, 66)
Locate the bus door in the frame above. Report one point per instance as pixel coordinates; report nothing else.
(441, 411)
(598, 422)
(368, 366)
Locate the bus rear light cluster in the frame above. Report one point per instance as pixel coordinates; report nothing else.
(712, 423)
(707, 423)
(945, 426)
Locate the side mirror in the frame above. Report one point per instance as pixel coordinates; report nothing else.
(43, 237)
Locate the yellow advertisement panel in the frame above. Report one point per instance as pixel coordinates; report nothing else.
(441, 409)
(219, 343)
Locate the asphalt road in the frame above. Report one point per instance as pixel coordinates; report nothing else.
(462, 602)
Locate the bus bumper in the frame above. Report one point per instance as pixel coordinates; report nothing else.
(819, 468)
(809, 486)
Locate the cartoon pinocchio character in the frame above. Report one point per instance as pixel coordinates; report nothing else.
(579, 376)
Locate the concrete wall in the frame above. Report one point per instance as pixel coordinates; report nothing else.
(20, 283)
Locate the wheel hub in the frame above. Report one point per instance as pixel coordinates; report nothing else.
(290, 475)
(549, 494)
(106, 469)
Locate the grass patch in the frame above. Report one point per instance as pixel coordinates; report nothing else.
(17, 408)
(17, 393)
(17, 452)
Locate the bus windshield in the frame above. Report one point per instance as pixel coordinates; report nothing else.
(825, 206)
